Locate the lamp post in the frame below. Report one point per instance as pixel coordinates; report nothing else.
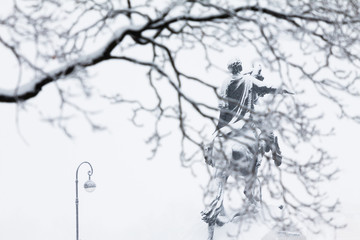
(89, 187)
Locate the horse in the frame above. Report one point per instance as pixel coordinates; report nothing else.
(237, 153)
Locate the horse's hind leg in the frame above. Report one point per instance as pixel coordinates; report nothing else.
(216, 206)
(211, 229)
(211, 215)
(218, 222)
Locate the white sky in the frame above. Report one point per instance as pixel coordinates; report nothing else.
(135, 198)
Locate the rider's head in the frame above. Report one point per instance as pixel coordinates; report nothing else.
(235, 66)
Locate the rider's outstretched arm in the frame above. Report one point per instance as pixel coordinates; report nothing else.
(263, 90)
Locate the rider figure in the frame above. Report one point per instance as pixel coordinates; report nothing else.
(238, 96)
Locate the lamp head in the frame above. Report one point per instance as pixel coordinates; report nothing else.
(89, 186)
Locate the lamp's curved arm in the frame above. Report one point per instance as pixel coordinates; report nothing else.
(89, 172)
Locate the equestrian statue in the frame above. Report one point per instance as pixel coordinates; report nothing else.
(236, 150)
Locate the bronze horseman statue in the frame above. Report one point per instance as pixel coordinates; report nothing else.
(237, 151)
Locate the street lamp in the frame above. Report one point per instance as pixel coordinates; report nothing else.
(89, 187)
